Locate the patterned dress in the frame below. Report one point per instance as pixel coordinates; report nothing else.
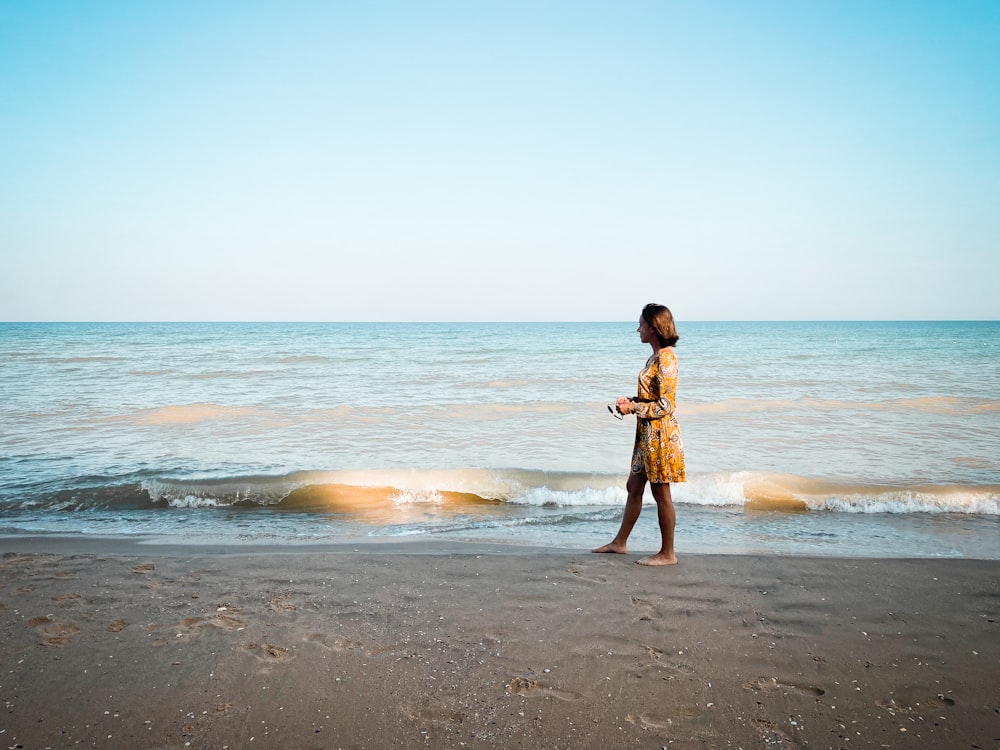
(658, 452)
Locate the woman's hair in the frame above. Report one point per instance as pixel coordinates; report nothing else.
(661, 320)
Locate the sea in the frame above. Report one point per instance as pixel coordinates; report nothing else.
(846, 439)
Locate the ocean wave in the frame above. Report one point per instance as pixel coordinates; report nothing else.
(928, 405)
(185, 414)
(392, 494)
(302, 358)
(344, 415)
(765, 490)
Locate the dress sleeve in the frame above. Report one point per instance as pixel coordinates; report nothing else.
(663, 387)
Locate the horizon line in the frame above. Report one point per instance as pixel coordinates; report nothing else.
(488, 322)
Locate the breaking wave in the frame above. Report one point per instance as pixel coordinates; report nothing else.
(391, 493)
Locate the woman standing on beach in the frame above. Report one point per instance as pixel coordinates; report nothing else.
(658, 455)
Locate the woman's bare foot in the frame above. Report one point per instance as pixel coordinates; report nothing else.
(612, 547)
(657, 559)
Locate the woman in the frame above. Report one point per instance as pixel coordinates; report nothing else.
(658, 455)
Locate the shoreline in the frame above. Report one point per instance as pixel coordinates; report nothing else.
(159, 546)
(962, 538)
(419, 644)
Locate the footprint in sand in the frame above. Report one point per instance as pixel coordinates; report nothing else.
(56, 633)
(267, 652)
(282, 606)
(434, 714)
(227, 622)
(190, 626)
(646, 722)
(772, 683)
(528, 688)
(223, 622)
(666, 662)
(578, 572)
(937, 702)
(331, 642)
(649, 611)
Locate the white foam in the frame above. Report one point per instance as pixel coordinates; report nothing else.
(193, 501)
(909, 501)
(714, 489)
(546, 497)
(721, 489)
(425, 497)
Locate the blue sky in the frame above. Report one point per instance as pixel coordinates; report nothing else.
(499, 160)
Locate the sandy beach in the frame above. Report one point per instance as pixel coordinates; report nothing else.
(112, 644)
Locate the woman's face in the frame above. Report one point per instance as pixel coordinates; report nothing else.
(645, 331)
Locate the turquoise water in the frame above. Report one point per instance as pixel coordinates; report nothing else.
(885, 433)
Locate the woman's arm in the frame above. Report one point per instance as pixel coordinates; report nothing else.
(652, 409)
(663, 387)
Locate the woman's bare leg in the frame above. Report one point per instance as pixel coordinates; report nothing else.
(633, 507)
(667, 519)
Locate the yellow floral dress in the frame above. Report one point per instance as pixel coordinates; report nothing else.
(658, 451)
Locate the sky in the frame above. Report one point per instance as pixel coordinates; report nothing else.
(478, 160)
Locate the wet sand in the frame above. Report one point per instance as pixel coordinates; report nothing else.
(112, 644)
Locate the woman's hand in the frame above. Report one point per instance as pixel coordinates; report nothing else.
(624, 405)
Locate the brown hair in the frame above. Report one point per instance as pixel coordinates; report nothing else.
(661, 320)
